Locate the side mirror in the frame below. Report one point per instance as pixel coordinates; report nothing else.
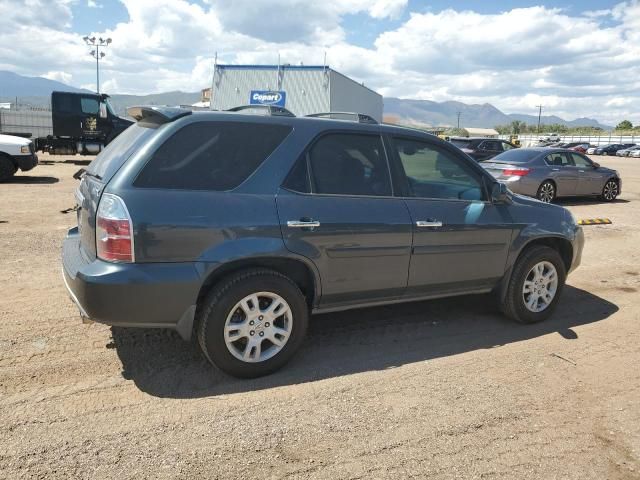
(596, 165)
(500, 193)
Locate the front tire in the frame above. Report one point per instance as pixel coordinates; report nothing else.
(7, 168)
(546, 192)
(535, 285)
(610, 191)
(252, 323)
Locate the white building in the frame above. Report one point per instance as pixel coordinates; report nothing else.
(301, 89)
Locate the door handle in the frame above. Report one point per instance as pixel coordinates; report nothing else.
(555, 169)
(303, 224)
(581, 171)
(429, 223)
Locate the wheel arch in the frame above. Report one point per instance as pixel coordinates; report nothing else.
(299, 271)
(558, 243)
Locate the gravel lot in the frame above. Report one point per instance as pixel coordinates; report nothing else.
(441, 389)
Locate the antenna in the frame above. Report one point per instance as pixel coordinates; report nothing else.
(213, 80)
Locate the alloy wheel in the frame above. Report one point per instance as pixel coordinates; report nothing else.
(547, 192)
(258, 327)
(540, 287)
(610, 191)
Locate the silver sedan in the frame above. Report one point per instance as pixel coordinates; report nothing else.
(546, 174)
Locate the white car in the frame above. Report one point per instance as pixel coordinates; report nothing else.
(15, 153)
(591, 150)
(635, 153)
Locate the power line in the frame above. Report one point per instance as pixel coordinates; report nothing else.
(539, 115)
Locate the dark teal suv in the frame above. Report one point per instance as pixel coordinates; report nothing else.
(236, 226)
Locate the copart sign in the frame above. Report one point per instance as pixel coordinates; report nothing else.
(267, 97)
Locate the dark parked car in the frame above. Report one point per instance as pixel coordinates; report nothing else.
(482, 148)
(612, 149)
(236, 227)
(546, 173)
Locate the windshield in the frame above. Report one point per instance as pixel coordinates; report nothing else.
(109, 107)
(516, 155)
(107, 163)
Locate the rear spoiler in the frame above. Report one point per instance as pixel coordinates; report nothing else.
(157, 115)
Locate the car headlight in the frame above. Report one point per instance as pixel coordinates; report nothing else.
(24, 149)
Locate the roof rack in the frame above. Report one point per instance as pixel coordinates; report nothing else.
(272, 110)
(353, 116)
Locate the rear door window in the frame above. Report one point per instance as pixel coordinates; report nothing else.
(349, 164)
(211, 156)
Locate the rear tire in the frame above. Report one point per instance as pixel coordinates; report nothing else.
(546, 191)
(238, 333)
(537, 300)
(609, 191)
(7, 168)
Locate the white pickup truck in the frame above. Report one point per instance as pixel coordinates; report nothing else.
(15, 153)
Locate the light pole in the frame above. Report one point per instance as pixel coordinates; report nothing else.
(96, 43)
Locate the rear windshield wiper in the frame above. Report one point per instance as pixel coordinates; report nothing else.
(94, 175)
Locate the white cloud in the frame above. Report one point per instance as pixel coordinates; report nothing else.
(59, 76)
(93, 4)
(576, 65)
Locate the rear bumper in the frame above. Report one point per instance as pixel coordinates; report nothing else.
(155, 295)
(26, 162)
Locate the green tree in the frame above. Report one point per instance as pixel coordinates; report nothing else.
(624, 125)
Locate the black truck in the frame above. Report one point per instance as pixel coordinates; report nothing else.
(77, 123)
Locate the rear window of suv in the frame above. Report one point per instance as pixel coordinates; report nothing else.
(211, 156)
(109, 161)
(461, 143)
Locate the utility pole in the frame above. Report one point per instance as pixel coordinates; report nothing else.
(459, 113)
(539, 116)
(96, 43)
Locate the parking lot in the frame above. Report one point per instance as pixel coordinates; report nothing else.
(440, 389)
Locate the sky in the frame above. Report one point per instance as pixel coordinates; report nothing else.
(577, 59)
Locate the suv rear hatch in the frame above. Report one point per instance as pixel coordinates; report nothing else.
(99, 172)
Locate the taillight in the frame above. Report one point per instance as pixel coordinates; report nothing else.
(114, 230)
(516, 172)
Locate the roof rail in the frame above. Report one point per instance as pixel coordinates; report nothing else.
(157, 115)
(272, 110)
(353, 116)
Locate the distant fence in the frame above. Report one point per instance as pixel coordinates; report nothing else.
(36, 122)
(531, 140)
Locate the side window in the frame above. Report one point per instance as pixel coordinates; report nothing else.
(580, 161)
(557, 159)
(436, 173)
(211, 155)
(506, 146)
(349, 164)
(89, 105)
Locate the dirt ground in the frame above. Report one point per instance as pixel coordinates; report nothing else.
(441, 389)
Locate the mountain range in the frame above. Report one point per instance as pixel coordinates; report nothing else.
(484, 116)
(36, 91)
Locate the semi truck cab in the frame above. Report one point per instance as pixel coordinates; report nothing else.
(82, 123)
